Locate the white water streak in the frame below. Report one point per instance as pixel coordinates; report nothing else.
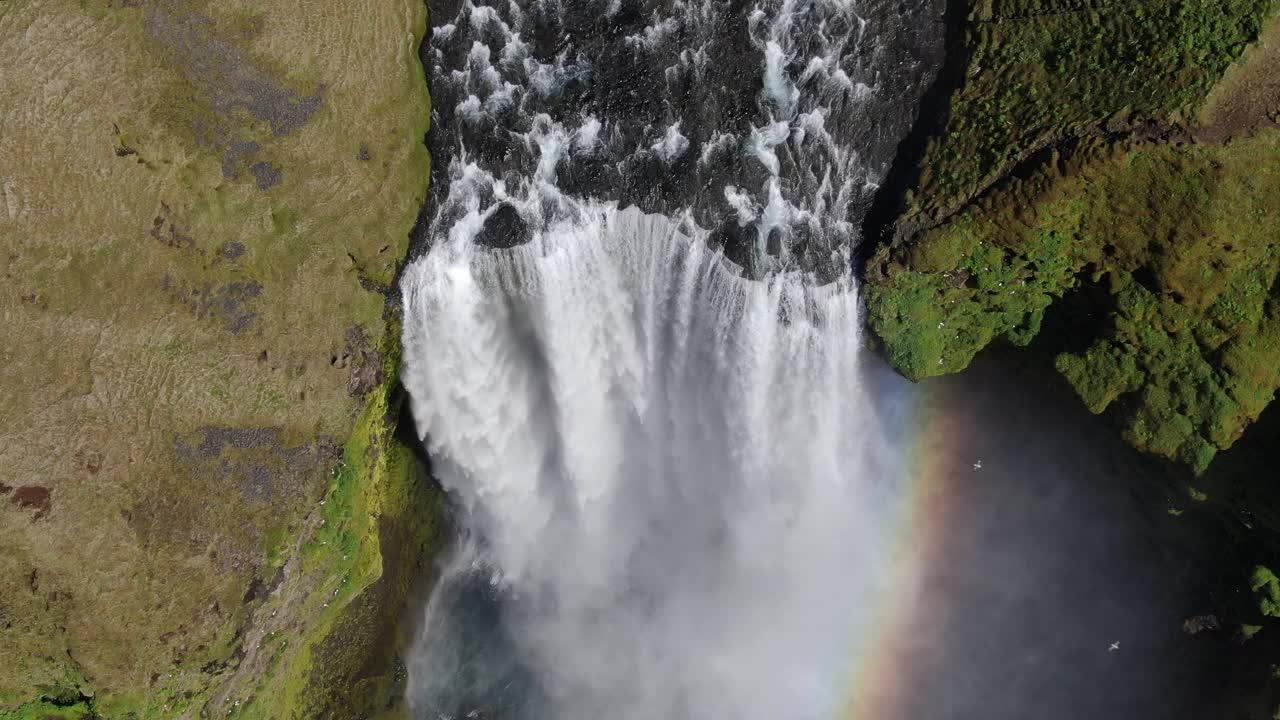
(670, 468)
(662, 457)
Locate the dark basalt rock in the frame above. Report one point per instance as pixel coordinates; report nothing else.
(503, 229)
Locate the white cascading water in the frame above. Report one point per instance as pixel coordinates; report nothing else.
(670, 466)
(667, 473)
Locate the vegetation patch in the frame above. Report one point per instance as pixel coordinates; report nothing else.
(1181, 239)
(377, 522)
(1040, 71)
(1266, 588)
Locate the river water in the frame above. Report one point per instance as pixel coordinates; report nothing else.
(634, 352)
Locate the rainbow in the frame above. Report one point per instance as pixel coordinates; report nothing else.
(873, 678)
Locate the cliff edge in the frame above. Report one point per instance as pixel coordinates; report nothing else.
(1104, 181)
(203, 507)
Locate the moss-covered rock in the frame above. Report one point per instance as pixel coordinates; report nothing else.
(1175, 241)
(1040, 71)
(202, 205)
(352, 569)
(1183, 239)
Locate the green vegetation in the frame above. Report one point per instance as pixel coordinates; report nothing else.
(1118, 158)
(1040, 71)
(46, 710)
(378, 517)
(1266, 588)
(1182, 239)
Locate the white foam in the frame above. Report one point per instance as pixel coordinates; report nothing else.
(763, 140)
(587, 136)
(662, 457)
(672, 145)
(742, 203)
(656, 33)
(501, 98)
(482, 15)
(811, 123)
(777, 83)
(442, 33)
(469, 109)
(552, 141)
(719, 142)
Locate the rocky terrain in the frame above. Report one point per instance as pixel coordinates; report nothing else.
(203, 508)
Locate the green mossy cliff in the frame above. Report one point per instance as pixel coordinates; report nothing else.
(204, 509)
(1032, 73)
(1104, 165)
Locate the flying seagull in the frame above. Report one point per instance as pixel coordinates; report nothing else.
(977, 465)
(1114, 646)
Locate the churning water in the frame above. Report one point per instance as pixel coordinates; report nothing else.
(633, 352)
(632, 349)
(684, 491)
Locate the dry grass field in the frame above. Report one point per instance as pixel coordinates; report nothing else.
(201, 205)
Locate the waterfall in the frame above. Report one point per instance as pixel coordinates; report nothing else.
(632, 348)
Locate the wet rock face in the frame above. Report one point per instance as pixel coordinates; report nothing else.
(504, 229)
(566, 94)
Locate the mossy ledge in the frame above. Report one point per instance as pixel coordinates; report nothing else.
(1102, 172)
(375, 533)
